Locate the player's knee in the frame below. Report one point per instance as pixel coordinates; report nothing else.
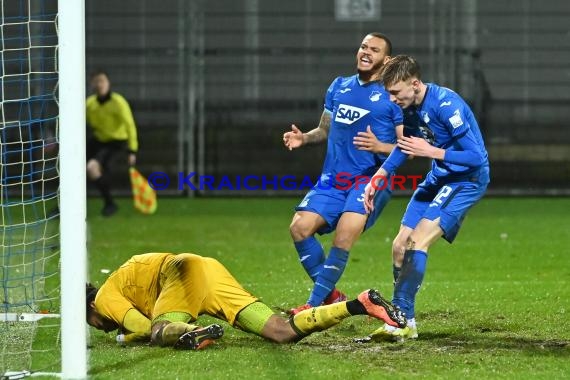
(299, 230)
(410, 243)
(417, 243)
(398, 250)
(93, 169)
(343, 241)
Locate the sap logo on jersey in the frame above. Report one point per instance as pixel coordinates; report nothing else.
(348, 114)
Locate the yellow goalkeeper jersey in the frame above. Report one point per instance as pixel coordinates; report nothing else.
(159, 283)
(112, 120)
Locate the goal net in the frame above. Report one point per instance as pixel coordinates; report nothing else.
(29, 187)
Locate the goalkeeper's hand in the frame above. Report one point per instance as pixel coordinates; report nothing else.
(125, 339)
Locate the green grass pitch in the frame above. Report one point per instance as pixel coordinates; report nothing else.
(495, 304)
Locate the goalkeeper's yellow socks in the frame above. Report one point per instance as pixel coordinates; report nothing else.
(319, 318)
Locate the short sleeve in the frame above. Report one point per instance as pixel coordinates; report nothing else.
(331, 91)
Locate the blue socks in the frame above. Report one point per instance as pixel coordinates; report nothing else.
(329, 275)
(409, 281)
(311, 255)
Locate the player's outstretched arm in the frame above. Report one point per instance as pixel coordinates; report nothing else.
(295, 138)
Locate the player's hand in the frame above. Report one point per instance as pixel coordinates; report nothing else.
(367, 141)
(294, 138)
(416, 146)
(372, 187)
(369, 192)
(120, 339)
(132, 159)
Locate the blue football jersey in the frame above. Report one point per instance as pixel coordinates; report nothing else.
(441, 119)
(353, 108)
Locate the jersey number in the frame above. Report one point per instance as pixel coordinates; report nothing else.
(441, 196)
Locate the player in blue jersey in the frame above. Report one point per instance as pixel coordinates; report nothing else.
(444, 129)
(360, 123)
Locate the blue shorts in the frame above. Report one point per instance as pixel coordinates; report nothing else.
(331, 202)
(448, 201)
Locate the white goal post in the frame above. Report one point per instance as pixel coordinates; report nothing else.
(72, 187)
(43, 253)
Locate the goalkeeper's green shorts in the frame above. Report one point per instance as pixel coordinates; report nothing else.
(254, 317)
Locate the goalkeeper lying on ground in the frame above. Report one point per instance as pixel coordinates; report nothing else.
(155, 297)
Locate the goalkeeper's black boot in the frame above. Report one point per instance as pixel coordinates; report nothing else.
(199, 338)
